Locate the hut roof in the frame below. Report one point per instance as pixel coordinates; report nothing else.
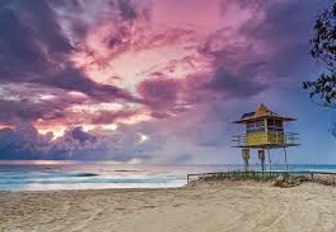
(261, 112)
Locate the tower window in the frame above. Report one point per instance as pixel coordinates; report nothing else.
(274, 125)
(256, 126)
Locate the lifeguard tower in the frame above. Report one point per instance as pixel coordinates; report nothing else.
(264, 131)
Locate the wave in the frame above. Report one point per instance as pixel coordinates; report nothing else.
(46, 175)
(84, 181)
(84, 174)
(126, 170)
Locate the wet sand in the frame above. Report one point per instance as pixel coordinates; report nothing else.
(210, 207)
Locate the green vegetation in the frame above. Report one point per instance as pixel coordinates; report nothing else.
(323, 49)
(239, 175)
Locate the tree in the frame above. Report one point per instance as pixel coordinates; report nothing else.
(323, 49)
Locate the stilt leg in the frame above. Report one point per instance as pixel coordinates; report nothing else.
(261, 156)
(246, 162)
(269, 159)
(246, 157)
(286, 159)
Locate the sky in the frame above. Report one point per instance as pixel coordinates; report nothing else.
(155, 81)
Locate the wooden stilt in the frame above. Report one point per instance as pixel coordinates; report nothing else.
(261, 156)
(246, 157)
(246, 163)
(269, 159)
(286, 159)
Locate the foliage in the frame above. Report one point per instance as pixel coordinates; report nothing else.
(239, 175)
(323, 49)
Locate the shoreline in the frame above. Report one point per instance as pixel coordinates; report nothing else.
(90, 189)
(112, 190)
(209, 206)
(191, 184)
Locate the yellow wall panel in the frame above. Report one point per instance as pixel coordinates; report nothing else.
(263, 137)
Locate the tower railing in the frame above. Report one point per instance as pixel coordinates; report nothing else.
(265, 138)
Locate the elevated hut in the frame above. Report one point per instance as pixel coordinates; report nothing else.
(264, 130)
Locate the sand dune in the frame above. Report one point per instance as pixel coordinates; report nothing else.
(199, 208)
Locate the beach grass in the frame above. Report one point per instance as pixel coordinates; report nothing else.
(279, 179)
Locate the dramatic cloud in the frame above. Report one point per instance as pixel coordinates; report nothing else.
(23, 142)
(160, 93)
(151, 80)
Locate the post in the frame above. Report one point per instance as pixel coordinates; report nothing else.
(246, 157)
(261, 156)
(269, 159)
(286, 158)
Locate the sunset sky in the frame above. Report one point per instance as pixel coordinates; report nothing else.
(155, 81)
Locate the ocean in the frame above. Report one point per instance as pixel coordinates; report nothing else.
(43, 175)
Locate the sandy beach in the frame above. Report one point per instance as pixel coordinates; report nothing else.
(210, 207)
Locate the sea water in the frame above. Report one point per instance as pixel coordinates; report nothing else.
(65, 175)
